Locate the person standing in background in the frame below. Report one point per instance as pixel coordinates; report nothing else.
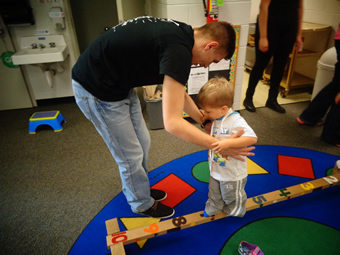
(278, 27)
(327, 98)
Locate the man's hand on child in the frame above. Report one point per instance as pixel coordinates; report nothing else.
(238, 152)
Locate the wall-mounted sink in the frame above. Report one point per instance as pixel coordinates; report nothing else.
(37, 56)
(49, 49)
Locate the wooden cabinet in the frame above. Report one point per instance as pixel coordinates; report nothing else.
(301, 67)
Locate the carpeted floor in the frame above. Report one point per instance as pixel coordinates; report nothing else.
(53, 184)
(261, 94)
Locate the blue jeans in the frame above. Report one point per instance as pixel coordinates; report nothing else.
(122, 126)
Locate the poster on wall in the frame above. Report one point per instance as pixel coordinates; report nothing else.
(197, 78)
(199, 75)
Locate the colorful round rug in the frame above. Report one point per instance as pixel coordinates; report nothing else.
(307, 224)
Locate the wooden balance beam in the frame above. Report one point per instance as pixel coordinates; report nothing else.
(116, 239)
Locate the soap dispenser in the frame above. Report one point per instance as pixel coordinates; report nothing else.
(57, 16)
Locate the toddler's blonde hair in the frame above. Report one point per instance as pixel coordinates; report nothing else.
(216, 93)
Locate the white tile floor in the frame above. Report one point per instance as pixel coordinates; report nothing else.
(261, 94)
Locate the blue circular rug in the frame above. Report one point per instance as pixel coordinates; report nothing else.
(308, 224)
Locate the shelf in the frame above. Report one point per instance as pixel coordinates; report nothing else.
(307, 53)
(311, 27)
(299, 80)
(301, 67)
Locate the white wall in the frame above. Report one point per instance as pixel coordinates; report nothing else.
(255, 4)
(35, 78)
(326, 12)
(13, 91)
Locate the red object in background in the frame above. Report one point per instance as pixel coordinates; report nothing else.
(212, 11)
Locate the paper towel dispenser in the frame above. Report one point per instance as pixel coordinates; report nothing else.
(17, 12)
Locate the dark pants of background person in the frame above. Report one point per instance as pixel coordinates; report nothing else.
(281, 40)
(321, 103)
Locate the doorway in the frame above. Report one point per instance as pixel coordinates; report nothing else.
(93, 17)
(90, 19)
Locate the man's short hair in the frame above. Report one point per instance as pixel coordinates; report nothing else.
(222, 32)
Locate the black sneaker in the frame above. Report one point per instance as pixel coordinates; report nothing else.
(158, 195)
(158, 210)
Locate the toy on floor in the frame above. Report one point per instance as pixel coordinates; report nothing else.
(249, 249)
(52, 118)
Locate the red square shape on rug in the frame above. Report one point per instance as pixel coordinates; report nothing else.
(295, 166)
(177, 190)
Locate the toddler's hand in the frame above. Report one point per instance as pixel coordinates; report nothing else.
(220, 146)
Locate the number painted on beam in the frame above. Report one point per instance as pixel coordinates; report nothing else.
(153, 228)
(259, 199)
(330, 179)
(283, 194)
(179, 221)
(307, 186)
(115, 237)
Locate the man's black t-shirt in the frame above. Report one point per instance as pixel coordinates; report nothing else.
(135, 53)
